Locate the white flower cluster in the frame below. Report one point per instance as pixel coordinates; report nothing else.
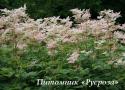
(18, 28)
(81, 15)
(73, 57)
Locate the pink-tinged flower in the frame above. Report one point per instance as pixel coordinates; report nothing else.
(52, 44)
(73, 57)
(81, 15)
(110, 15)
(122, 27)
(119, 35)
(39, 36)
(21, 46)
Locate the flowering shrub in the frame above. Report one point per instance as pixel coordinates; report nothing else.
(60, 49)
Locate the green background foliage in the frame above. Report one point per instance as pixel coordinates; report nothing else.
(21, 71)
(45, 8)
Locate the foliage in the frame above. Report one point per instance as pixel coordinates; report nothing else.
(59, 49)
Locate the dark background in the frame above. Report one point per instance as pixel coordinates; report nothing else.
(46, 8)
